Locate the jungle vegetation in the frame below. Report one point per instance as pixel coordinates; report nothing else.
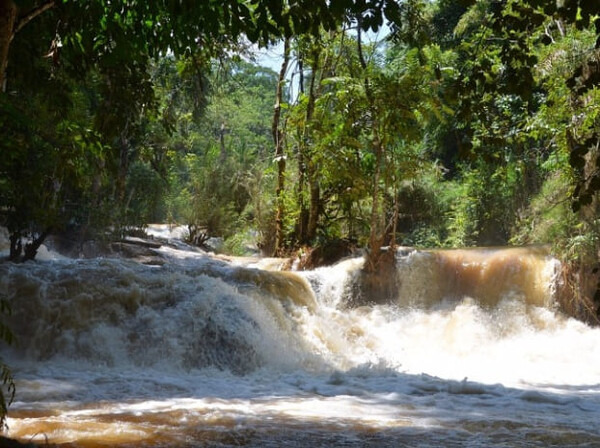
(463, 123)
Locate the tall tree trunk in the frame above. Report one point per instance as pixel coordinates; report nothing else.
(123, 168)
(8, 17)
(302, 223)
(278, 137)
(377, 232)
(223, 149)
(378, 281)
(314, 209)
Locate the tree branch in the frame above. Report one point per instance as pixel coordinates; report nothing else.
(32, 14)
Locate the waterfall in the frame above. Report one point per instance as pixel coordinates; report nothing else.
(205, 351)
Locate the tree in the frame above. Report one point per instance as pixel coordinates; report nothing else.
(51, 154)
(214, 161)
(318, 54)
(116, 41)
(12, 19)
(520, 27)
(138, 28)
(278, 140)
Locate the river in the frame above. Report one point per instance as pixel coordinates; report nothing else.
(206, 352)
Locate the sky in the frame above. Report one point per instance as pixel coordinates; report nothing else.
(272, 57)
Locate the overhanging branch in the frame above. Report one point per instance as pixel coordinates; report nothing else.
(32, 14)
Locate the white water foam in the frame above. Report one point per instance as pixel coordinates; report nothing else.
(201, 352)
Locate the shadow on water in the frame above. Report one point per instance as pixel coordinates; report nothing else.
(365, 406)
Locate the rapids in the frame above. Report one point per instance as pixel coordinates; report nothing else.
(207, 352)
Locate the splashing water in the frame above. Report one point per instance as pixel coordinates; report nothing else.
(203, 352)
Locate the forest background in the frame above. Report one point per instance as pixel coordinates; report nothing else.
(474, 123)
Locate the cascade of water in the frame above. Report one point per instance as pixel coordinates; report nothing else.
(487, 275)
(113, 352)
(197, 312)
